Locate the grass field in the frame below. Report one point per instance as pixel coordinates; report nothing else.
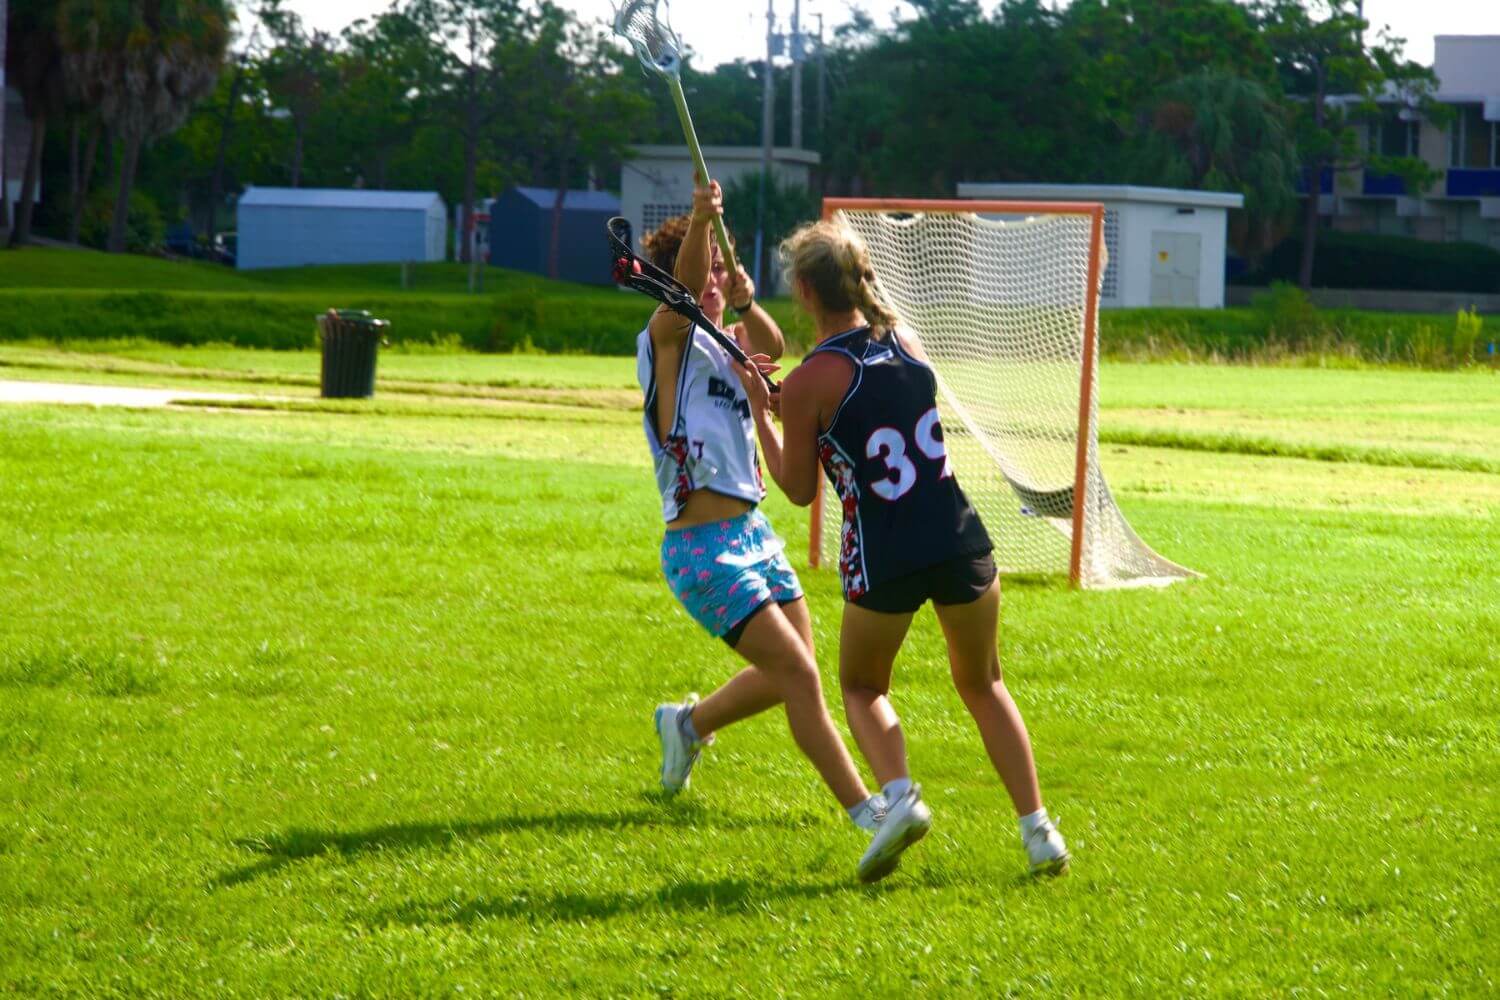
(354, 699)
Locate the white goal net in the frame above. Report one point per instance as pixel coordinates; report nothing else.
(1003, 304)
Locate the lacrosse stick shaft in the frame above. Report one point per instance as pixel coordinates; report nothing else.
(691, 135)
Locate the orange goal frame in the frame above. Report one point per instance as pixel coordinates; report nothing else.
(1095, 212)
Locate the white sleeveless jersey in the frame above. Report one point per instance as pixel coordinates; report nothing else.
(711, 445)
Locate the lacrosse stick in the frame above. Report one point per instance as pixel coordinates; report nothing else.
(660, 51)
(631, 271)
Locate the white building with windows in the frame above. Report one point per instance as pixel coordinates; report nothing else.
(1464, 203)
(1166, 246)
(656, 182)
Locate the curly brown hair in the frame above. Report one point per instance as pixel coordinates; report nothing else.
(663, 244)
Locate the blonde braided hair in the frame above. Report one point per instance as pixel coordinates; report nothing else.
(835, 263)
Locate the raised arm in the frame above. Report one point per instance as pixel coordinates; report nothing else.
(764, 335)
(694, 262)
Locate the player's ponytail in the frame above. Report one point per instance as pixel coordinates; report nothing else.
(881, 316)
(835, 265)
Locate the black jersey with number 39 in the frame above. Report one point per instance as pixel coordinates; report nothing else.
(884, 454)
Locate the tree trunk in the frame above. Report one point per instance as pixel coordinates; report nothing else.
(75, 168)
(22, 231)
(85, 181)
(226, 129)
(1314, 188)
(297, 131)
(4, 182)
(471, 162)
(554, 253)
(122, 199)
(1310, 227)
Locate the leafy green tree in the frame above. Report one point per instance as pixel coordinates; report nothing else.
(952, 95)
(1217, 131)
(583, 108)
(142, 64)
(1334, 80)
(299, 73)
(1132, 48)
(725, 101)
(388, 77)
(230, 140)
(479, 42)
(787, 206)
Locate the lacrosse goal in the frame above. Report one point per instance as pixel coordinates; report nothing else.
(1004, 297)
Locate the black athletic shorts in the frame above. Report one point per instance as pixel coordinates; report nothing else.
(959, 581)
(737, 630)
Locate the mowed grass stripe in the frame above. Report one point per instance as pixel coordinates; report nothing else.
(1239, 444)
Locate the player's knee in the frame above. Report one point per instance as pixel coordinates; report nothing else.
(796, 671)
(853, 685)
(974, 684)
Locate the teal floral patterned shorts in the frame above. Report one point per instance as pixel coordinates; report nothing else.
(725, 571)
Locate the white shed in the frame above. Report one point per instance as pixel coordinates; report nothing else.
(295, 227)
(1167, 246)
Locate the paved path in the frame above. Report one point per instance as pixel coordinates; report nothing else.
(102, 395)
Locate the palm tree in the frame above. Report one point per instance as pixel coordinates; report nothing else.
(1220, 132)
(142, 64)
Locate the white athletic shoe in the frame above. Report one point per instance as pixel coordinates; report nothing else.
(1046, 850)
(677, 755)
(905, 822)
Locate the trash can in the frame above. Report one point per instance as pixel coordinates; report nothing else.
(350, 339)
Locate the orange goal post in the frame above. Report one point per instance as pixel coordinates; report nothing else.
(1004, 297)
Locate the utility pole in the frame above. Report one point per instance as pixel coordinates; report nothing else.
(822, 88)
(797, 74)
(767, 137)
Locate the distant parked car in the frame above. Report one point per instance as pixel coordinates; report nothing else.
(182, 241)
(225, 249)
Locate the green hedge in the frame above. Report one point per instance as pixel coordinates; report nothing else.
(517, 321)
(1284, 325)
(1395, 263)
(602, 321)
(572, 319)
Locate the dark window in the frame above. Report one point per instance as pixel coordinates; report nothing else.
(1390, 136)
(1471, 139)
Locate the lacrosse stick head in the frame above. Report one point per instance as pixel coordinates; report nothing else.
(630, 271)
(649, 31)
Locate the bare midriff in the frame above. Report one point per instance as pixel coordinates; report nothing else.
(705, 506)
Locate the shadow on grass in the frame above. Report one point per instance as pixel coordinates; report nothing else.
(279, 850)
(725, 895)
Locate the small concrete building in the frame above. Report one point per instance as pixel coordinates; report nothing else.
(296, 227)
(520, 233)
(1167, 247)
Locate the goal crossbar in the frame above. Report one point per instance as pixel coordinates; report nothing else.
(1087, 482)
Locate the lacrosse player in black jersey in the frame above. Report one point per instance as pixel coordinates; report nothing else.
(864, 405)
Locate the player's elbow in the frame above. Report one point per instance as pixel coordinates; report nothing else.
(802, 494)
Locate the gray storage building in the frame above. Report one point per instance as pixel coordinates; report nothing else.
(521, 233)
(294, 227)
